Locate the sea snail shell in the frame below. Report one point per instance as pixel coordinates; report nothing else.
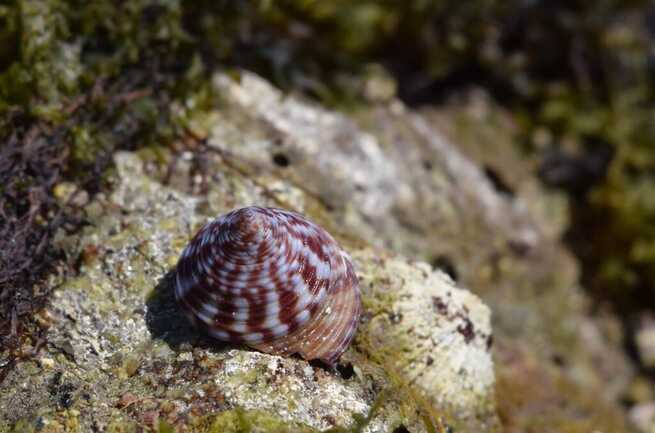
(273, 280)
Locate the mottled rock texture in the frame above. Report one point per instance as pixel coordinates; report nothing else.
(121, 352)
(448, 186)
(424, 222)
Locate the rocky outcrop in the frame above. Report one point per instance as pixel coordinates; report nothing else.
(122, 353)
(423, 221)
(449, 187)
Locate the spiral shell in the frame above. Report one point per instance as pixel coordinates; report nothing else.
(273, 280)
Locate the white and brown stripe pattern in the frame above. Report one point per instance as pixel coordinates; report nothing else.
(273, 280)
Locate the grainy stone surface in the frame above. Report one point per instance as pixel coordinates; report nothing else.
(122, 350)
(436, 334)
(448, 186)
(409, 194)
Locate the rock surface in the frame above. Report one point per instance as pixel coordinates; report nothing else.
(448, 187)
(121, 352)
(381, 179)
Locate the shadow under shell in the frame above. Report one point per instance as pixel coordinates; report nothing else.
(166, 321)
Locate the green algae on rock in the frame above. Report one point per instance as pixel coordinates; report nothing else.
(44, 47)
(409, 365)
(119, 338)
(427, 199)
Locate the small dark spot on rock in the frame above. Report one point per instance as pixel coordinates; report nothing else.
(67, 349)
(346, 370)
(498, 182)
(61, 391)
(317, 363)
(558, 360)
(427, 165)
(66, 399)
(366, 317)
(490, 341)
(519, 248)
(446, 265)
(39, 423)
(467, 330)
(429, 360)
(55, 381)
(401, 429)
(439, 305)
(330, 419)
(281, 160)
(158, 366)
(395, 318)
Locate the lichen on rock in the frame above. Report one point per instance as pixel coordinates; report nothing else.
(122, 352)
(488, 227)
(437, 336)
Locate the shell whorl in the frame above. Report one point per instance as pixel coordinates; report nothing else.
(273, 280)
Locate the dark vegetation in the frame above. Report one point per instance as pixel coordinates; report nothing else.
(30, 165)
(79, 80)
